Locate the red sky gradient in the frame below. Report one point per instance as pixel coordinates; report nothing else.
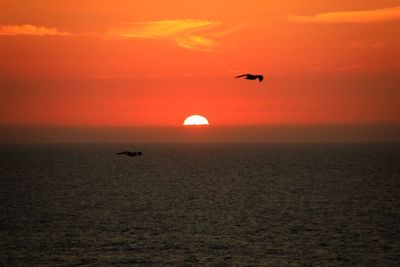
(153, 63)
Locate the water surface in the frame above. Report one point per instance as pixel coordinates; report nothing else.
(187, 204)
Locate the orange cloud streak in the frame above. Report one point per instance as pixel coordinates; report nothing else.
(28, 29)
(363, 16)
(191, 34)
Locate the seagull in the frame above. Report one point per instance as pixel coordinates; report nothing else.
(249, 76)
(130, 153)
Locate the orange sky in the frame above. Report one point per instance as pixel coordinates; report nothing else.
(138, 63)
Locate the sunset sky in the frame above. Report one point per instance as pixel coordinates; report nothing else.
(153, 62)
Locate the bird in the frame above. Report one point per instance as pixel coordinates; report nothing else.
(249, 76)
(130, 153)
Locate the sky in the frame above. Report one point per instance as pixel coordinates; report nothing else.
(152, 63)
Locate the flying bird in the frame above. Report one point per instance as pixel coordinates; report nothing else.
(251, 77)
(130, 153)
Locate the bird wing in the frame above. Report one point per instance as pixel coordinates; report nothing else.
(123, 152)
(243, 75)
(260, 78)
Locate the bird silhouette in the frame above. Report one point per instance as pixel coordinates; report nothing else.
(249, 76)
(130, 153)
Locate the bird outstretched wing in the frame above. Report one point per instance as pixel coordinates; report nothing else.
(243, 75)
(130, 153)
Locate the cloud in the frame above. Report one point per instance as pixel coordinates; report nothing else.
(345, 68)
(28, 29)
(191, 34)
(363, 16)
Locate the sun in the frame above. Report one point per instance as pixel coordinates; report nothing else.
(195, 120)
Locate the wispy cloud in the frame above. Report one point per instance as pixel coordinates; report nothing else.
(363, 16)
(192, 34)
(345, 68)
(365, 44)
(28, 29)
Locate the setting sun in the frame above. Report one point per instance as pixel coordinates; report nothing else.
(195, 120)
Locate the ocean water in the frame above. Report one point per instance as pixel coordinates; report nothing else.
(200, 204)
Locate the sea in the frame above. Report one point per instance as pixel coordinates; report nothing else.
(182, 204)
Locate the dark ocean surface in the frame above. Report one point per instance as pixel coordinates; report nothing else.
(200, 204)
